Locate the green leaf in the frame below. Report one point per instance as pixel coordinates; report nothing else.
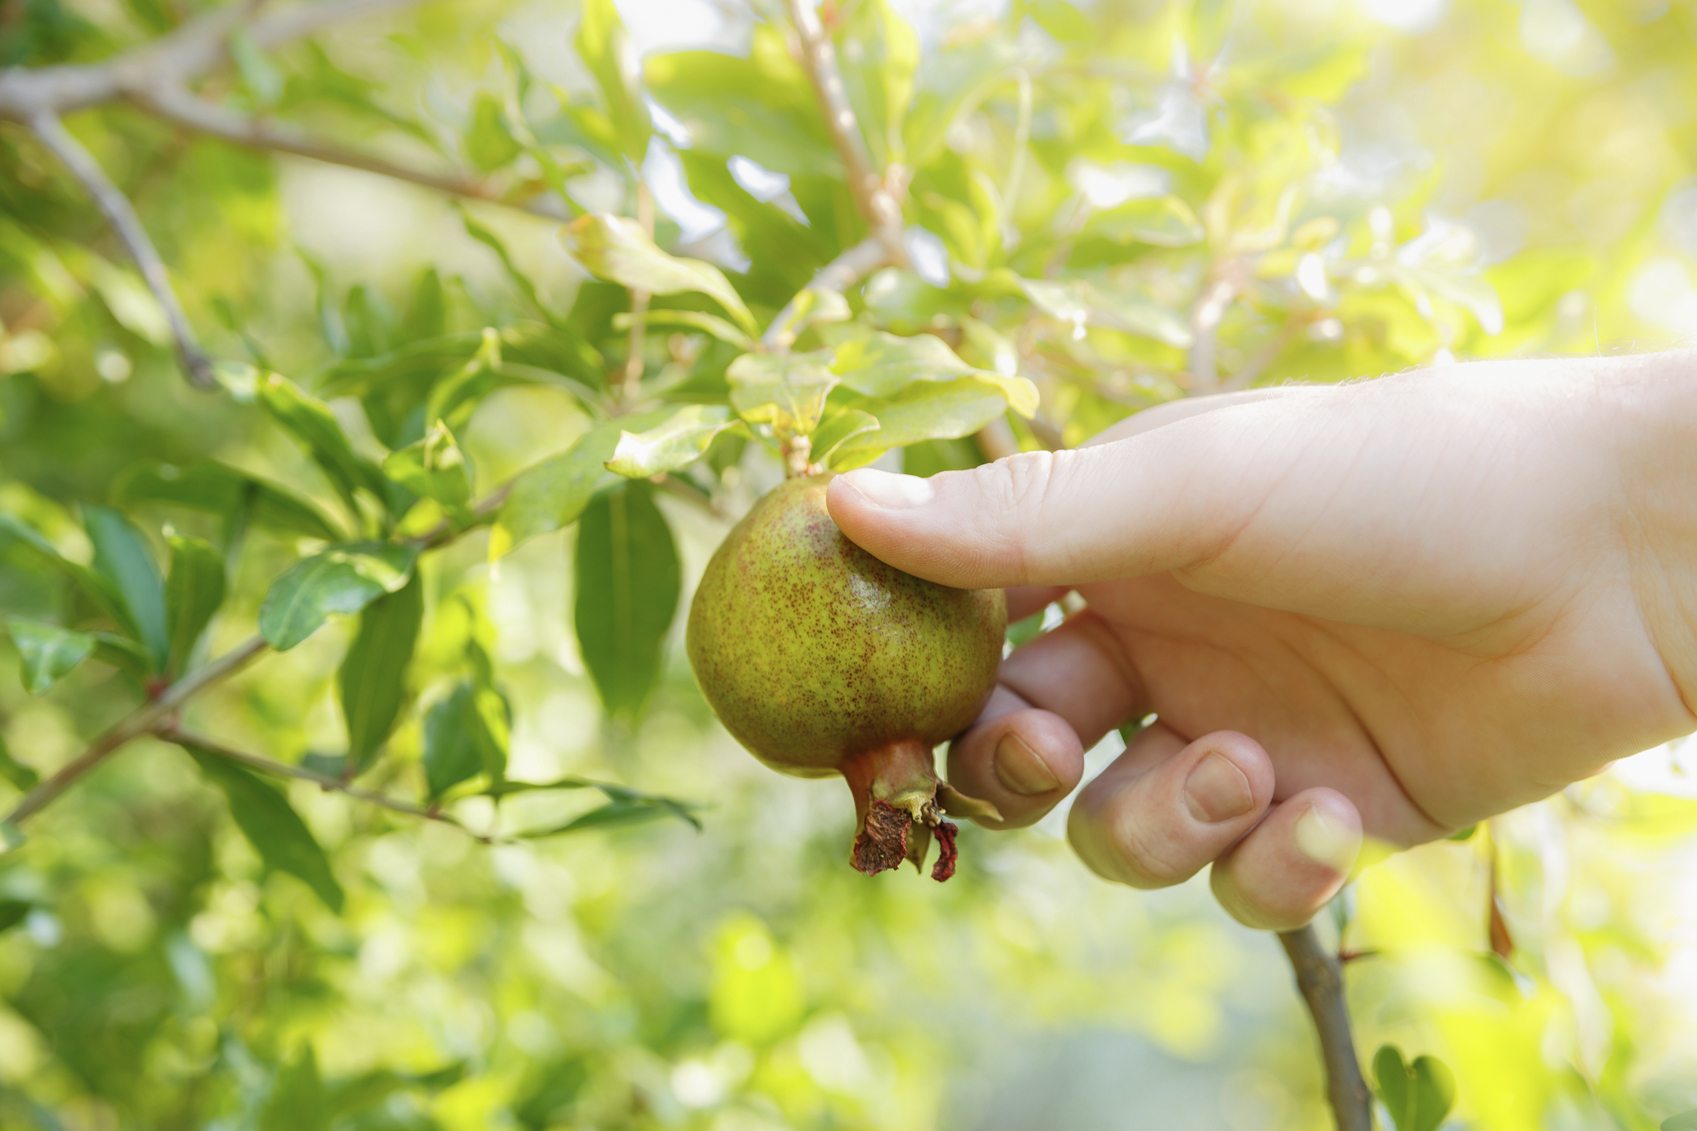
(489, 144)
(434, 468)
(617, 249)
(553, 494)
(297, 1097)
(1416, 1095)
(1161, 221)
(525, 285)
(11, 837)
(878, 70)
(465, 734)
(628, 583)
(602, 46)
(928, 411)
(342, 579)
(214, 488)
(685, 811)
(881, 365)
(786, 391)
(122, 556)
(271, 825)
(312, 423)
(194, 589)
(48, 651)
(1082, 304)
(93, 585)
(675, 443)
(372, 680)
(839, 427)
(757, 106)
(13, 912)
(22, 777)
(690, 320)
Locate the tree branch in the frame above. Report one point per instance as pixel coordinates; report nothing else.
(180, 107)
(122, 215)
(137, 723)
(149, 717)
(188, 52)
(871, 189)
(274, 768)
(1319, 978)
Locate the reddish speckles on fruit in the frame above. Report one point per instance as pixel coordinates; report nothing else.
(822, 659)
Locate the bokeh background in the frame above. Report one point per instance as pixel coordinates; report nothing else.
(1490, 177)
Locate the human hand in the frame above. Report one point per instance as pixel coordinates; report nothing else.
(1394, 607)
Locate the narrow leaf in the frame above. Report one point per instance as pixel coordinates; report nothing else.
(194, 589)
(48, 651)
(342, 579)
(314, 426)
(434, 468)
(554, 492)
(271, 825)
(676, 443)
(602, 45)
(214, 488)
(122, 555)
(465, 734)
(627, 592)
(617, 249)
(373, 677)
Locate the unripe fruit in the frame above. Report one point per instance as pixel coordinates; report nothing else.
(822, 659)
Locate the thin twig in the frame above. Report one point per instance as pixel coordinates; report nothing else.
(871, 192)
(122, 216)
(327, 782)
(1205, 318)
(182, 108)
(630, 384)
(1319, 978)
(137, 723)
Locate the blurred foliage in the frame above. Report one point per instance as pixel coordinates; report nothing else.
(1110, 203)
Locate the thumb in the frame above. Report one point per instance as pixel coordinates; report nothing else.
(1159, 500)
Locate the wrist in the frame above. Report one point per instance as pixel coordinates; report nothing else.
(1648, 406)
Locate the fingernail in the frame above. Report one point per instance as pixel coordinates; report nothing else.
(1217, 790)
(1020, 770)
(1326, 840)
(884, 489)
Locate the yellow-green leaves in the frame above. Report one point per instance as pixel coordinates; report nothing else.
(602, 45)
(554, 492)
(883, 365)
(340, 580)
(675, 443)
(122, 556)
(785, 391)
(465, 735)
(434, 468)
(1418, 1093)
(194, 589)
(372, 680)
(617, 249)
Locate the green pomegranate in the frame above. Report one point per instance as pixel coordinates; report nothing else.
(822, 660)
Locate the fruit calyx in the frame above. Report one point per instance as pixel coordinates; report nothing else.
(900, 803)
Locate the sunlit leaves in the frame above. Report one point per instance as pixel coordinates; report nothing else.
(270, 824)
(928, 411)
(372, 680)
(48, 651)
(628, 584)
(617, 249)
(1158, 221)
(786, 391)
(878, 71)
(676, 442)
(602, 45)
(339, 580)
(1417, 1094)
(883, 365)
(312, 423)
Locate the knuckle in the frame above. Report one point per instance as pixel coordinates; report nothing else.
(1020, 483)
(1119, 841)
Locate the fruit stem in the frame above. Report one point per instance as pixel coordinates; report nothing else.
(798, 453)
(895, 800)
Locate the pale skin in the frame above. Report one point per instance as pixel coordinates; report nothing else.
(1391, 608)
